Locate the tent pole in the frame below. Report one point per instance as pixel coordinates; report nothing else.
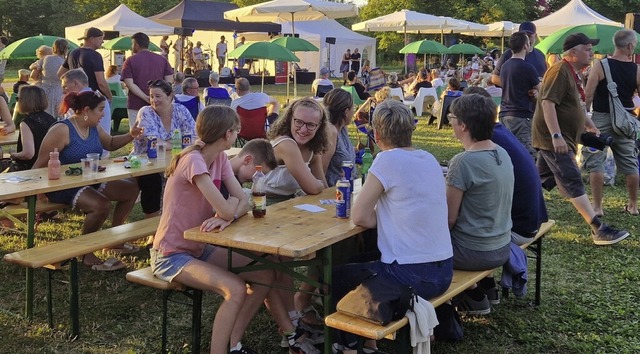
(262, 85)
(405, 43)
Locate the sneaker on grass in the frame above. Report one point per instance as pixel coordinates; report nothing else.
(493, 295)
(468, 306)
(608, 235)
(243, 350)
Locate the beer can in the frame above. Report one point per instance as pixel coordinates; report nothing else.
(152, 147)
(343, 199)
(347, 168)
(186, 139)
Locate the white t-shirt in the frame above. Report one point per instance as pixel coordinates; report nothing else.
(320, 81)
(412, 211)
(221, 49)
(197, 53)
(252, 100)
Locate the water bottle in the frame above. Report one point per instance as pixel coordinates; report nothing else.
(176, 142)
(259, 193)
(367, 160)
(53, 167)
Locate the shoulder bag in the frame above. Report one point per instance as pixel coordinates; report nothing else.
(377, 300)
(623, 122)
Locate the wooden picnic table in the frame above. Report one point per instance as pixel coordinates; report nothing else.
(9, 139)
(36, 182)
(305, 237)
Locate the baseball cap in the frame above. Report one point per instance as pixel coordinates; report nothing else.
(324, 71)
(576, 39)
(91, 32)
(527, 26)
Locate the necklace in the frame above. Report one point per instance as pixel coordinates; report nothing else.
(83, 135)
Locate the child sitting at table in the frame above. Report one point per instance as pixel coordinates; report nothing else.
(255, 152)
(23, 79)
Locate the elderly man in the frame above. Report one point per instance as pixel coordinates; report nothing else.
(76, 80)
(625, 73)
(253, 100)
(558, 121)
(190, 96)
(323, 82)
(138, 70)
(89, 60)
(216, 94)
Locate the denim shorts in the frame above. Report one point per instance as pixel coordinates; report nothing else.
(561, 170)
(168, 267)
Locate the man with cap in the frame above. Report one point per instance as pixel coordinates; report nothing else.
(625, 73)
(518, 78)
(322, 80)
(535, 57)
(558, 121)
(138, 70)
(89, 60)
(221, 53)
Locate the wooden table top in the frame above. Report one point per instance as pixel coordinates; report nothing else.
(9, 139)
(38, 181)
(285, 230)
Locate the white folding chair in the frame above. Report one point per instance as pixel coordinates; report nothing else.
(396, 93)
(419, 102)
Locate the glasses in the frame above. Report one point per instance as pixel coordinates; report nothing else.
(193, 88)
(310, 125)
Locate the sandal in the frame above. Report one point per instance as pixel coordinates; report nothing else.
(127, 248)
(109, 265)
(316, 321)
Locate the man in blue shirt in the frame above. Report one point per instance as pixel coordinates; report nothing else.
(520, 84)
(535, 57)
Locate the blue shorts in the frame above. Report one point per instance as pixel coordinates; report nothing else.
(70, 196)
(168, 267)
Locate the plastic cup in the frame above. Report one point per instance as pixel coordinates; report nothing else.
(162, 151)
(93, 159)
(86, 168)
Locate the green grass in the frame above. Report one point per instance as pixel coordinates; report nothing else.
(589, 293)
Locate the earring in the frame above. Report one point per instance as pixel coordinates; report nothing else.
(85, 118)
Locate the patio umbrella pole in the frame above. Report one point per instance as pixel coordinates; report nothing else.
(262, 85)
(405, 43)
(295, 82)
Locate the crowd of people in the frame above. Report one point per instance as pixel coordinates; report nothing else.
(490, 199)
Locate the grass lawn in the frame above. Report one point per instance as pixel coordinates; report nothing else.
(589, 293)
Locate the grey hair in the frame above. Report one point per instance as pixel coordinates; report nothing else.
(76, 75)
(624, 37)
(393, 121)
(214, 77)
(187, 83)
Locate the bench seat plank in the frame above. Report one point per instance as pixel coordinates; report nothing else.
(461, 281)
(145, 277)
(75, 247)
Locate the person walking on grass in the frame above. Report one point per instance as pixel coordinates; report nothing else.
(625, 73)
(558, 121)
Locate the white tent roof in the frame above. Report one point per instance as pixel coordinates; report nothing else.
(121, 19)
(573, 13)
(317, 32)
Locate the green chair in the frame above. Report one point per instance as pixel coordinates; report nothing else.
(118, 105)
(13, 100)
(352, 90)
(440, 90)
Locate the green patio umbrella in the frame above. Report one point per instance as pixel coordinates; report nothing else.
(263, 50)
(25, 48)
(425, 47)
(465, 48)
(295, 44)
(124, 43)
(553, 43)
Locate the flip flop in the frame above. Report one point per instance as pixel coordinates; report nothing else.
(109, 265)
(127, 248)
(626, 208)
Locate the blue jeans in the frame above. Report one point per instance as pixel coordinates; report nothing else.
(427, 279)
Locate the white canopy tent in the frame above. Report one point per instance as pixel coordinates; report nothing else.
(573, 13)
(123, 20)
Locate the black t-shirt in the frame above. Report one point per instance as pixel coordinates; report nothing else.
(517, 77)
(355, 62)
(88, 60)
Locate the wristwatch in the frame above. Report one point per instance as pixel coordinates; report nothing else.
(556, 135)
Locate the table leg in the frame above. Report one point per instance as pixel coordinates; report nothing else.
(74, 299)
(327, 263)
(31, 221)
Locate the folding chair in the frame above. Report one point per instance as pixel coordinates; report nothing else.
(253, 124)
(217, 95)
(446, 104)
(322, 90)
(118, 105)
(193, 105)
(426, 97)
(352, 90)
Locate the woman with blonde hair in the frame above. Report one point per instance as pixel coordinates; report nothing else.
(36, 66)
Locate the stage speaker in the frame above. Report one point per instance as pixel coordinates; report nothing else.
(632, 21)
(297, 35)
(330, 40)
(203, 77)
(183, 31)
(110, 35)
(242, 72)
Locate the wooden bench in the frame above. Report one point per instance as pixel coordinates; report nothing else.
(461, 281)
(15, 211)
(50, 255)
(145, 277)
